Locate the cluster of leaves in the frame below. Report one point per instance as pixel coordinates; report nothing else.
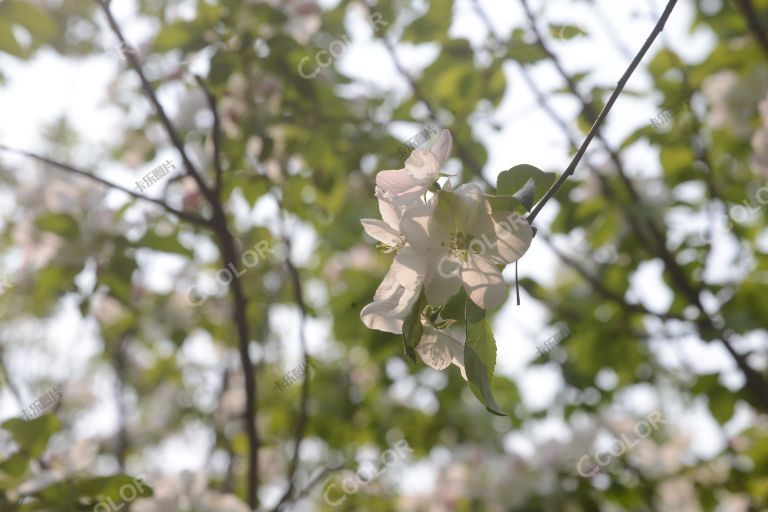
(74, 493)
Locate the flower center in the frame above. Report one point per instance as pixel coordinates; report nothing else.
(386, 248)
(459, 244)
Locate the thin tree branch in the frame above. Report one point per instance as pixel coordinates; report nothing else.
(215, 134)
(189, 217)
(601, 288)
(755, 382)
(301, 424)
(610, 30)
(606, 109)
(121, 363)
(755, 27)
(150, 92)
(9, 380)
(229, 256)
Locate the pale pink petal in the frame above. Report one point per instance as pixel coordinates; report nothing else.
(378, 316)
(381, 231)
(409, 267)
(391, 213)
(442, 147)
(397, 182)
(513, 236)
(406, 301)
(422, 166)
(473, 212)
(415, 225)
(387, 290)
(391, 305)
(442, 280)
(483, 282)
(433, 349)
(460, 363)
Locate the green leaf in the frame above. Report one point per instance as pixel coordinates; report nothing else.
(525, 194)
(167, 243)
(173, 36)
(504, 203)
(8, 43)
(480, 356)
(60, 223)
(522, 51)
(560, 31)
(109, 487)
(16, 465)
(432, 27)
(32, 435)
(412, 328)
(509, 182)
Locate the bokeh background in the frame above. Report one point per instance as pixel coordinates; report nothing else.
(126, 350)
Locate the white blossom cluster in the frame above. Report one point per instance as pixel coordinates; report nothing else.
(443, 240)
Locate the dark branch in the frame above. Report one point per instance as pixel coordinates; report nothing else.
(150, 92)
(189, 217)
(755, 27)
(215, 134)
(606, 109)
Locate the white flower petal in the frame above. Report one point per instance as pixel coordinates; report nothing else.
(381, 231)
(378, 316)
(483, 282)
(409, 267)
(398, 186)
(388, 310)
(415, 225)
(387, 290)
(514, 235)
(473, 212)
(422, 166)
(442, 147)
(391, 213)
(443, 281)
(434, 350)
(460, 363)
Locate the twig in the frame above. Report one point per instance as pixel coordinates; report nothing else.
(606, 109)
(601, 288)
(159, 110)
(755, 382)
(610, 30)
(229, 256)
(215, 134)
(11, 384)
(758, 32)
(189, 217)
(301, 424)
